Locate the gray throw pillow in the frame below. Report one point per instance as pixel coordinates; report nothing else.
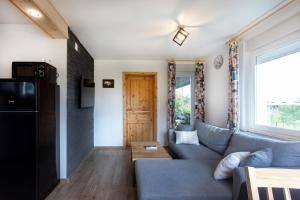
(261, 158)
(213, 137)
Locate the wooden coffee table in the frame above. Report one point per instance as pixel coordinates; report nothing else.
(138, 152)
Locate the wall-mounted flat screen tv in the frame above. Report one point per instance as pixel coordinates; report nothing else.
(87, 93)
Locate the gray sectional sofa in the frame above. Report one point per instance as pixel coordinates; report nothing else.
(190, 175)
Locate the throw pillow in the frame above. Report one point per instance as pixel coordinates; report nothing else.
(226, 166)
(261, 158)
(187, 137)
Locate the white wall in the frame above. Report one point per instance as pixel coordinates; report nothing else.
(109, 102)
(20, 42)
(216, 83)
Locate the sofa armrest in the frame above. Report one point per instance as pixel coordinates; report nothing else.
(239, 188)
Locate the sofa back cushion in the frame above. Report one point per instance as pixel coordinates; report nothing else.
(285, 153)
(182, 127)
(213, 137)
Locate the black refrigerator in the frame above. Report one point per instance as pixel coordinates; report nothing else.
(29, 168)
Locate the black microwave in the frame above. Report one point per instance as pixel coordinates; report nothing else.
(34, 71)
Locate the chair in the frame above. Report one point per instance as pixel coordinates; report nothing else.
(271, 178)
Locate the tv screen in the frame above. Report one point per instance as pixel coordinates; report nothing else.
(87, 99)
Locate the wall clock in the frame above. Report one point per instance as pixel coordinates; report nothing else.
(218, 62)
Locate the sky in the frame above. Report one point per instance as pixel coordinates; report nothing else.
(279, 80)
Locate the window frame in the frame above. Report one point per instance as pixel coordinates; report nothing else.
(248, 104)
(192, 102)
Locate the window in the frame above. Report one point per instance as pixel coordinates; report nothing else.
(277, 88)
(184, 111)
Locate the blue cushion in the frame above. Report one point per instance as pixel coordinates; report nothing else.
(261, 158)
(213, 137)
(285, 153)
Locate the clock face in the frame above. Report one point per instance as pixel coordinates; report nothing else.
(218, 62)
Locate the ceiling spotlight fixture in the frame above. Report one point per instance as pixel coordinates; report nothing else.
(180, 36)
(34, 13)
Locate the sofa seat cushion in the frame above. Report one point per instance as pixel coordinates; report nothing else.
(193, 152)
(180, 179)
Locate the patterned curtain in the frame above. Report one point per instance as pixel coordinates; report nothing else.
(199, 92)
(233, 109)
(171, 94)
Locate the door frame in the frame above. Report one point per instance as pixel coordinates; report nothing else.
(154, 74)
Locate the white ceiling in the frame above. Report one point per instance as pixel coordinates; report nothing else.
(10, 15)
(143, 29)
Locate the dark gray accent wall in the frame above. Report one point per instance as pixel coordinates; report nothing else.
(80, 122)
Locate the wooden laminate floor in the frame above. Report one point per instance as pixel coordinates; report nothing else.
(106, 174)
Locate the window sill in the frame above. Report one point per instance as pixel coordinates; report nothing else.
(279, 133)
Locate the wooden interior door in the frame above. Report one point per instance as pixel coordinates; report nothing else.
(139, 107)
